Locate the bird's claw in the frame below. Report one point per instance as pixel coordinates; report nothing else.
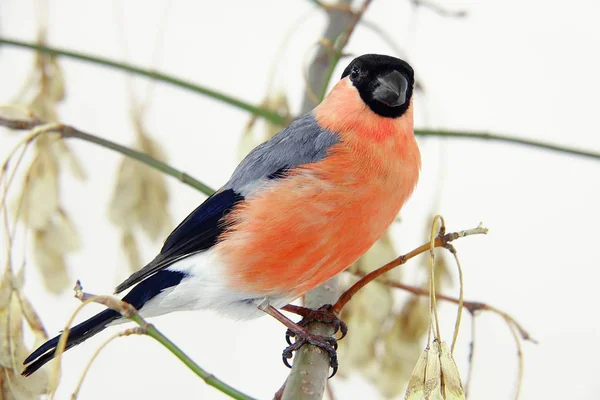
(328, 344)
(323, 314)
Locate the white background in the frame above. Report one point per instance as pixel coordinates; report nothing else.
(523, 68)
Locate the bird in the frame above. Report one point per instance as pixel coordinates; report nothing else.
(298, 209)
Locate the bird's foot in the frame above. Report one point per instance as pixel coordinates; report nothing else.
(324, 314)
(302, 336)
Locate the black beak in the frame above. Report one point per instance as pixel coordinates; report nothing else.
(392, 89)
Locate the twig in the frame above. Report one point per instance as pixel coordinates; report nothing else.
(322, 60)
(263, 112)
(432, 301)
(471, 358)
(127, 311)
(461, 299)
(514, 332)
(67, 131)
(440, 241)
(506, 139)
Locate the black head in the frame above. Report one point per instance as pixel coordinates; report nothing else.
(385, 83)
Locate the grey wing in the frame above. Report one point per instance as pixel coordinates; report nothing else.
(303, 142)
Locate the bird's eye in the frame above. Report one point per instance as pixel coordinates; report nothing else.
(354, 73)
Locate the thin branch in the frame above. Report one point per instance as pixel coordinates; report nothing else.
(440, 241)
(326, 68)
(461, 294)
(469, 377)
(53, 51)
(70, 132)
(515, 334)
(507, 139)
(129, 312)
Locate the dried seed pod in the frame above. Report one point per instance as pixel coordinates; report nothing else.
(435, 376)
(126, 196)
(130, 247)
(65, 154)
(55, 80)
(15, 113)
(453, 388)
(12, 347)
(416, 383)
(44, 107)
(42, 197)
(50, 261)
(140, 199)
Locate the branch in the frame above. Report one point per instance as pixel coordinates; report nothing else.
(70, 132)
(441, 241)
(318, 78)
(507, 139)
(129, 312)
(158, 76)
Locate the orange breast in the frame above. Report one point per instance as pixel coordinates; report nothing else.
(304, 229)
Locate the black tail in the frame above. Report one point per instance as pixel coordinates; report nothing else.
(77, 334)
(138, 296)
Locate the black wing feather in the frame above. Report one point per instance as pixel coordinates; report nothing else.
(197, 232)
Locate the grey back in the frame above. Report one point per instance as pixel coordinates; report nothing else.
(302, 142)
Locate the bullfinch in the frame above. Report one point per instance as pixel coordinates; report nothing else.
(299, 209)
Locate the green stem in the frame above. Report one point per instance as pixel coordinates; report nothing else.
(259, 111)
(70, 132)
(506, 139)
(210, 379)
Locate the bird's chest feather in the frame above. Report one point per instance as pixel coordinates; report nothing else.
(311, 225)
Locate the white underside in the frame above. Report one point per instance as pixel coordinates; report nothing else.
(205, 287)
